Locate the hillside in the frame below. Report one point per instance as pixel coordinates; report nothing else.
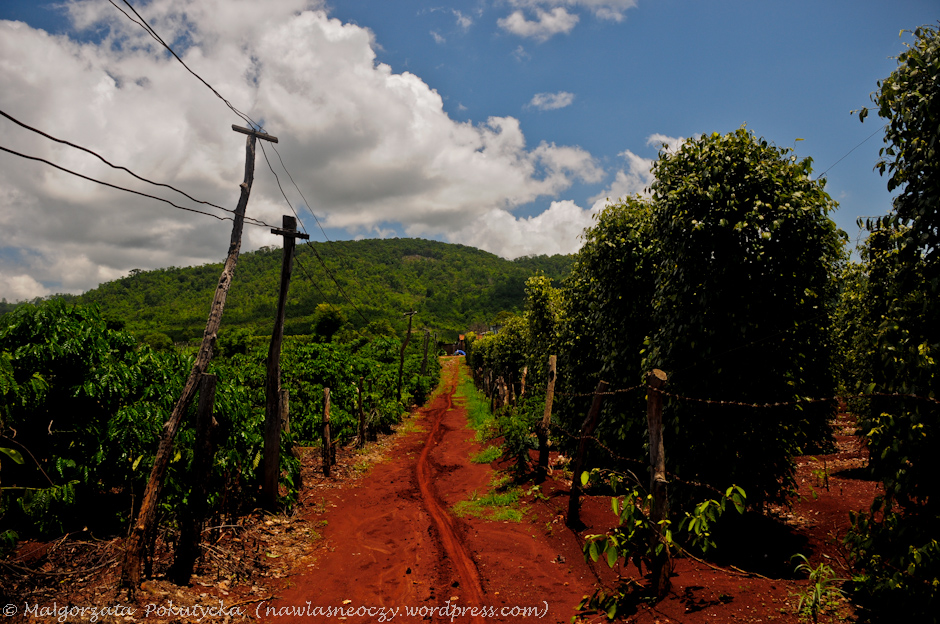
(451, 286)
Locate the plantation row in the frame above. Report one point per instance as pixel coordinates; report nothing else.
(82, 404)
(732, 278)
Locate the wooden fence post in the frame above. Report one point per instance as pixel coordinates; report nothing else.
(194, 513)
(542, 430)
(362, 416)
(404, 345)
(144, 529)
(427, 343)
(327, 442)
(659, 511)
(587, 429)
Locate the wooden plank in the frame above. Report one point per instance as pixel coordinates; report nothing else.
(255, 133)
(659, 510)
(542, 430)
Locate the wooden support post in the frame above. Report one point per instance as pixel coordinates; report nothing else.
(327, 441)
(144, 527)
(271, 469)
(194, 513)
(543, 428)
(587, 429)
(372, 426)
(424, 362)
(659, 510)
(361, 442)
(404, 345)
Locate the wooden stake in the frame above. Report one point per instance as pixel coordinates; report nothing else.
(404, 345)
(144, 527)
(542, 430)
(587, 429)
(194, 513)
(424, 362)
(327, 442)
(271, 468)
(659, 510)
(362, 416)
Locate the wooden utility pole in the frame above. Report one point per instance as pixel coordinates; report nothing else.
(587, 430)
(659, 510)
(144, 527)
(272, 387)
(542, 431)
(404, 345)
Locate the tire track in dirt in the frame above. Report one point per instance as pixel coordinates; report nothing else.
(455, 548)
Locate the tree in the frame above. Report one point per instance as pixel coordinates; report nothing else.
(897, 343)
(327, 320)
(910, 100)
(745, 261)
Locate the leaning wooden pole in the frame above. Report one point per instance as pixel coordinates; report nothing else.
(271, 468)
(659, 510)
(543, 428)
(587, 430)
(144, 527)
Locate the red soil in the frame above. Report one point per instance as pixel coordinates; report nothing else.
(392, 541)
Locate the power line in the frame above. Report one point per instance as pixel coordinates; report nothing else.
(114, 186)
(325, 268)
(143, 24)
(851, 150)
(126, 190)
(112, 165)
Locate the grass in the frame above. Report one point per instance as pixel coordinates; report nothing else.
(487, 455)
(501, 504)
(479, 416)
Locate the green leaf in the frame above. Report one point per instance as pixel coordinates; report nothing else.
(12, 454)
(585, 476)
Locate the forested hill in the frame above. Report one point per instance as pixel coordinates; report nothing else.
(451, 286)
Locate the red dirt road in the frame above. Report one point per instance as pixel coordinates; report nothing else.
(394, 550)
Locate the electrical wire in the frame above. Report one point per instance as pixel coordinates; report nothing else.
(112, 165)
(127, 190)
(114, 186)
(851, 150)
(143, 24)
(146, 26)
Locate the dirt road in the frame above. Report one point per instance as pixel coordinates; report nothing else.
(394, 551)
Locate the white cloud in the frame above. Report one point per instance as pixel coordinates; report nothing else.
(636, 177)
(438, 38)
(369, 147)
(557, 230)
(464, 21)
(551, 101)
(612, 10)
(21, 287)
(546, 25)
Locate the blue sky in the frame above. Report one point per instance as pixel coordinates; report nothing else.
(502, 124)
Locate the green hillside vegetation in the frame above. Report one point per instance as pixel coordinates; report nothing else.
(453, 287)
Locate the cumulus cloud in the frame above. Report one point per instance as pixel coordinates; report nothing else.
(557, 230)
(552, 17)
(369, 146)
(636, 177)
(551, 101)
(546, 24)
